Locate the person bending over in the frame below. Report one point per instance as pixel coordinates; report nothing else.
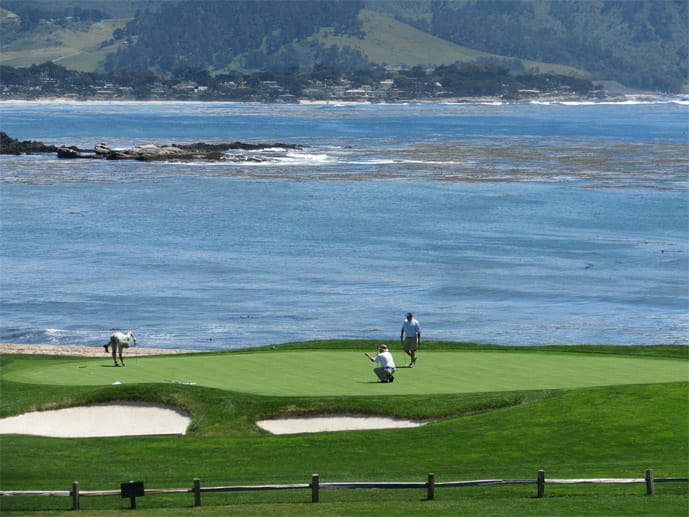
(117, 342)
(386, 364)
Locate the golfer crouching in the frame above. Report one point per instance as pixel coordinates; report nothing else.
(119, 341)
(386, 364)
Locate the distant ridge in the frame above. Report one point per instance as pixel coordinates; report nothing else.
(640, 44)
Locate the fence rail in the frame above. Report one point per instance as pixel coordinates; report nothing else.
(316, 486)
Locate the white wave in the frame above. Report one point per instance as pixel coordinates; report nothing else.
(626, 102)
(298, 158)
(397, 161)
(273, 156)
(606, 103)
(475, 103)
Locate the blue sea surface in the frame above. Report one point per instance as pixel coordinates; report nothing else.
(513, 224)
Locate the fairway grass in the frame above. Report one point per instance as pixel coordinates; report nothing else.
(348, 373)
(493, 414)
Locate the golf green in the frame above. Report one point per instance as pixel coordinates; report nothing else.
(349, 373)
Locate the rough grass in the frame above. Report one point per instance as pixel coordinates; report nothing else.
(75, 49)
(392, 42)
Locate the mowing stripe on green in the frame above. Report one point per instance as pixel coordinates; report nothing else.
(347, 372)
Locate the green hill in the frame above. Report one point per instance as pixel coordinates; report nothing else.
(638, 43)
(82, 49)
(389, 41)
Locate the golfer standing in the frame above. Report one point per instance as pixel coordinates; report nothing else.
(410, 337)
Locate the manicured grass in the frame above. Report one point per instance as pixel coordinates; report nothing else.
(588, 431)
(348, 373)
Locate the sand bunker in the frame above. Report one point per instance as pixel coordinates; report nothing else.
(132, 419)
(338, 423)
(138, 419)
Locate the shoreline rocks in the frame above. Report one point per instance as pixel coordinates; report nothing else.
(148, 152)
(196, 151)
(9, 145)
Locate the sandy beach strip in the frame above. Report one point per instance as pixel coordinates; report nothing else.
(85, 351)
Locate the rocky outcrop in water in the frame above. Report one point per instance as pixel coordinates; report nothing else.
(9, 145)
(197, 151)
(152, 152)
(230, 151)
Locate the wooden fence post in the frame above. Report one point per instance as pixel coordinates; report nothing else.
(197, 492)
(650, 483)
(315, 496)
(75, 495)
(541, 483)
(430, 484)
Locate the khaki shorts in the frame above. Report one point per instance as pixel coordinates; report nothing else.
(410, 343)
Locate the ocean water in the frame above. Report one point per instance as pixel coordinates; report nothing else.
(513, 224)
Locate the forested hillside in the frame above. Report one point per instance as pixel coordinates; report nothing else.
(243, 33)
(639, 43)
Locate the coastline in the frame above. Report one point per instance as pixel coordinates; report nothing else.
(623, 98)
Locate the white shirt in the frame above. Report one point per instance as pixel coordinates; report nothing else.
(385, 360)
(410, 328)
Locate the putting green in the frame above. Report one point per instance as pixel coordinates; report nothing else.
(347, 372)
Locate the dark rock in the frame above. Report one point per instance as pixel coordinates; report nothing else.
(150, 152)
(68, 152)
(9, 145)
(73, 152)
(196, 151)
